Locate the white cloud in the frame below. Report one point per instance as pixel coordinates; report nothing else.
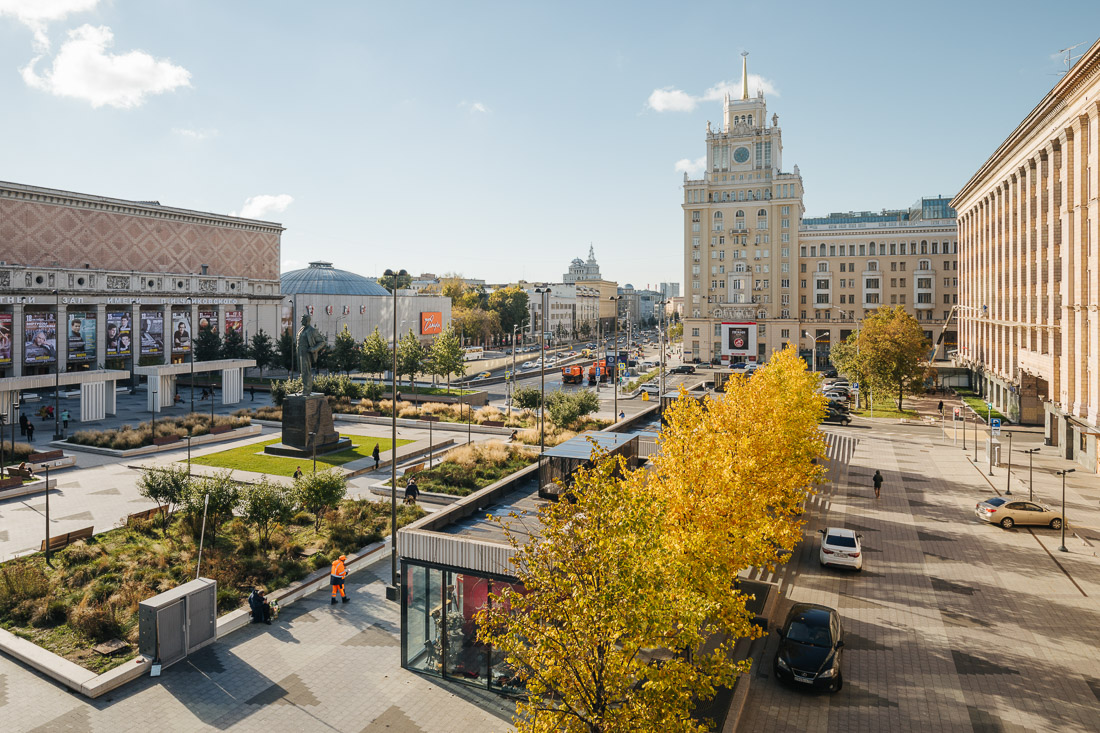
(474, 107)
(692, 167)
(37, 14)
(264, 205)
(670, 99)
(84, 69)
(193, 134)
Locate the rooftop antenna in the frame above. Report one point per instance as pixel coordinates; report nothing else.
(1070, 58)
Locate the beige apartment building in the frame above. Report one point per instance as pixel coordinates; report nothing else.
(852, 263)
(1028, 267)
(757, 276)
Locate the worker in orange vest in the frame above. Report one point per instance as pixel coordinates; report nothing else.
(339, 572)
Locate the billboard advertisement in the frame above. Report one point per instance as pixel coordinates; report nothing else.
(208, 319)
(431, 322)
(82, 336)
(5, 339)
(152, 333)
(181, 332)
(286, 322)
(40, 331)
(738, 342)
(234, 321)
(120, 333)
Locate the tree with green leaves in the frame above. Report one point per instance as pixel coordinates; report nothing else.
(224, 493)
(233, 347)
(208, 345)
(401, 282)
(528, 398)
(319, 492)
(511, 306)
(891, 354)
(262, 350)
(676, 333)
(265, 504)
(166, 486)
(375, 355)
(345, 352)
(286, 350)
(410, 358)
(446, 356)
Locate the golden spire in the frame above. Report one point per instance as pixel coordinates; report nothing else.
(744, 75)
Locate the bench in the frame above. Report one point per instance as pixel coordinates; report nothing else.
(429, 418)
(217, 430)
(20, 473)
(51, 455)
(61, 541)
(144, 516)
(493, 423)
(414, 469)
(167, 440)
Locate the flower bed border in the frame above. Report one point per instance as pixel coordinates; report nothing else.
(241, 432)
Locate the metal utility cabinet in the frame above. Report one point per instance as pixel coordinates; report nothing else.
(178, 622)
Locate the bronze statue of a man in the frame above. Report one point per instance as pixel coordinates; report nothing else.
(310, 344)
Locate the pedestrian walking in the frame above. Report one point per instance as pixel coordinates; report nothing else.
(65, 419)
(374, 454)
(252, 394)
(23, 422)
(339, 573)
(30, 432)
(877, 479)
(412, 491)
(940, 408)
(297, 473)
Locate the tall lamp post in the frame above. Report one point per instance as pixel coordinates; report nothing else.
(57, 374)
(661, 345)
(1030, 473)
(512, 382)
(1008, 481)
(544, 292)
(392, 593)
(1062, 473)
(615, 375)
(192, 337)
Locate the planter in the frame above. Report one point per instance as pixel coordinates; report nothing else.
(242, 432)
(167, 440)
(52, 455)
(220, 429)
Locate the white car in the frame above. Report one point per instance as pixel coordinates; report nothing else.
(651, 388)
(842, 548)
(530, 365)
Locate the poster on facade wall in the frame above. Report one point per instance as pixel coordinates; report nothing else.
(738, 341)
(286, 322)
(119, 334)
(181, 332)
(82, 336)
(208, 319)
(431, 322)
(40, 332)
(5, 339)
(152, 333)
(234, 321)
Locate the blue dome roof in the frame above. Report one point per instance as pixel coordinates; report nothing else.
(321, 278)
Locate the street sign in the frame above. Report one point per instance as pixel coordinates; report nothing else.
(855, 386)
(957, 413)
(995, 426)
(989, 405)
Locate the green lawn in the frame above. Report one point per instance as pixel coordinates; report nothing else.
(888, 409)
(979, 405)
(252, 457)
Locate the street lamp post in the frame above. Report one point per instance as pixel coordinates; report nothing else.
(813, 351)
(188, 437)
(512, 381)
(57, 374)
(661, 356)
(1008, 481)
(48, 514)
(1030, 473)
(1062, 547)
(544, 292)
(313, 442)
(392, 592)
(190, 301)
(615, 374)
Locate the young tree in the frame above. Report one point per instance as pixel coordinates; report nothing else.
(233, 347)
(262, 350)
(566, 408)
(319, 492)
(286, 350)
(166, 486)
(894, 352)
(510, 305)
(375, 356)
(602, 591)
(345, 352)
(208, 345)
(410, 357)
(224, 493)
(527, 398)
(676, 333)
(265, 504)
(446, 356)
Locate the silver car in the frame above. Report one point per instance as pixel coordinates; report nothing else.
(1009, 513)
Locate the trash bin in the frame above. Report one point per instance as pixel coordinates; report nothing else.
(994, 445)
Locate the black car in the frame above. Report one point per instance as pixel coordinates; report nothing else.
(810, 644)
(682, 369)
(834, 414)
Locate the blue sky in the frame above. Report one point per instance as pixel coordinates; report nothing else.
(498, 140)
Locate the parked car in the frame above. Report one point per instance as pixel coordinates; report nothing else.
(810, 644)
(841, 547)
(829, 373)
(1008, 514)
(682, 369)
(834, 414)
(738, 365)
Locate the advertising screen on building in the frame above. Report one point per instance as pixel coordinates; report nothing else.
(152, 333)
(5, 339)
(234, 321)
(208, 319)
(82, 336)
(738, 341)
(119, 334)
(181, 332)
(286, 321)
(431, 322)
(40, 330)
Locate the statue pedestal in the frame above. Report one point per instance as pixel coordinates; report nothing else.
(307, 427)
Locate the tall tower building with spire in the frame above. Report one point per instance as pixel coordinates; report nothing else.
(741, 224)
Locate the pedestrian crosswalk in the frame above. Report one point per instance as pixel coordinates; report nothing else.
(839, 448)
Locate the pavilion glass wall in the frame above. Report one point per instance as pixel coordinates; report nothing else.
(439, 628)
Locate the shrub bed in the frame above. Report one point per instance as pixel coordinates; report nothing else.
(21, 451)
(471, 467)
(128, 437)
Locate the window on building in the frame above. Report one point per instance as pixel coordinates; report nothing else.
(862, 250)
(924, 246)
(893, 282)
(893, 267)
(872, 266)
(870, 298)
(822, 266)
(695, 215)
(901, 266)
(803, 283)
(871, 283)
(893, 299)
(924, 265)
(802, 267)
(694, 332)
(802, 251)
(924, 282)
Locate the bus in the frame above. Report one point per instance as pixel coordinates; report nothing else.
(473, 353)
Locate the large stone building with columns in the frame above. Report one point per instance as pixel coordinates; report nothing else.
(1029, 270)
(90, 282)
